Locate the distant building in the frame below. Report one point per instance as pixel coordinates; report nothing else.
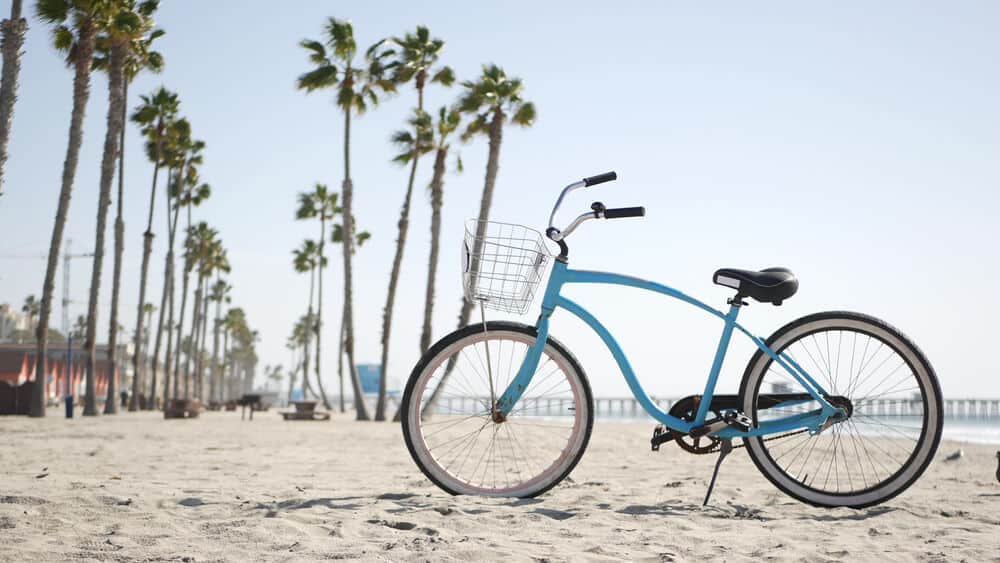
(11, 321)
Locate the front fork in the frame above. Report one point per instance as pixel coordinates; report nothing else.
(505, 403)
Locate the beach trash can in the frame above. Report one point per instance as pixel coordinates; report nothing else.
(69, 406)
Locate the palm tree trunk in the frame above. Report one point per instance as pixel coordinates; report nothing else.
(340, 362)
(81, 93)
(115, 102)
(11, 39)
(307, 389)
(201, 347)
(140, 328)
(192, 351)
(111, 401)
(201, 298)
(390, 301)
(167, 302)
(361, 410)
(492, 167)
(222, 367)
(437, 201)
(291, 377)
(180, 324)
(214, 373)
(319, 312)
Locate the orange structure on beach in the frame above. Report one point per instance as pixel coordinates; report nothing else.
(65, 371)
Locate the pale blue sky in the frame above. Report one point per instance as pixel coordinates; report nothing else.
(854, 142)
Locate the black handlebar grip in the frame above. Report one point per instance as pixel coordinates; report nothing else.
(623, 212)
(600, 179)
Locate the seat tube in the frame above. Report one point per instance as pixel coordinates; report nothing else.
(720, 356)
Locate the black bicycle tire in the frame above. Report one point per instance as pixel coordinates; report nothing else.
(464, 332)
(935, 388)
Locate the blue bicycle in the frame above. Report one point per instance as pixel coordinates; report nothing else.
(835, 408)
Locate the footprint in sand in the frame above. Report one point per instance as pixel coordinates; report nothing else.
(404, 526)
(26, 500)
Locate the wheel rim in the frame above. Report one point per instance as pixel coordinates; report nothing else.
(894, 424)
(465, 450)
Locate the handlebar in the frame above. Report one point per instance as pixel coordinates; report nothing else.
(600, 179)
(598, 211)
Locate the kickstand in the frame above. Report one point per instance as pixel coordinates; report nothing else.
(724, 449)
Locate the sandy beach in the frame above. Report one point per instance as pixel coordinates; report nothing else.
(138, 488)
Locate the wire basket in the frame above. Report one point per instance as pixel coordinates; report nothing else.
(502, 264)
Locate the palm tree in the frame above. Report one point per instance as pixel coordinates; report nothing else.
(219, 294)
(11, 39)
(154, 115)
(231, 324)
(140, 57)
(357, 90)
(307, 258)
(198, 247)
(117, 23)
(176, 152)
(415, 60)
(359, 239)
(492, 100)
(122, 46)
(75, 26)
(412, 145)
(214, 261)
(447, 123)
(320, 203)
(30, 308)
(190, 194)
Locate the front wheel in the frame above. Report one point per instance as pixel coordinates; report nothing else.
(889, 390)
(457, 441)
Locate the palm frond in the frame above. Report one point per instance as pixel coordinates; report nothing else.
(317, 52)
(52, 11)
(340, 38)
(524, 115)
(318, 78)
(444, 77)
(478, 126)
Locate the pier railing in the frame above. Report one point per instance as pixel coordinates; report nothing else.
(953, 408)
(628, 407)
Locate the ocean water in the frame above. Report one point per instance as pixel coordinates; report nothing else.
(979, 431)
(959, 429)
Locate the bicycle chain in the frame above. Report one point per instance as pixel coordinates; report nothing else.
(767, 439)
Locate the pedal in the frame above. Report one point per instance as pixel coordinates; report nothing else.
(737, 420)
(661, 434)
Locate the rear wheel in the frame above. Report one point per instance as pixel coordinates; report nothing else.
(895, 413)
(457, 443)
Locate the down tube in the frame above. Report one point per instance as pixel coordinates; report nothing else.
(626, 368)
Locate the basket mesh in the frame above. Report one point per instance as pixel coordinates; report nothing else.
(502, 264)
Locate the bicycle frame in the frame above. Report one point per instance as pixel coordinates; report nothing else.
(563, 275)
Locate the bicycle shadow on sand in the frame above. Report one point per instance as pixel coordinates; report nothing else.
(744, 512)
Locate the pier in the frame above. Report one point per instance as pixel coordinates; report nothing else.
(629, 407)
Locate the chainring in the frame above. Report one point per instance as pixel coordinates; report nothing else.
(686, 410)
